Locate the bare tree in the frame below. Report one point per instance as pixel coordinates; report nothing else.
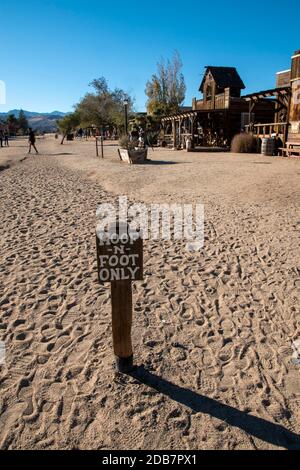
(166, 89)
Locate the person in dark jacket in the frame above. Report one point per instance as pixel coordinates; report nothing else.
(31, 141)
(6, 136)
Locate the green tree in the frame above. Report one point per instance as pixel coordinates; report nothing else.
(22, 122)
(12, 123)
(68, 123)
(166, 89)
(103, 107)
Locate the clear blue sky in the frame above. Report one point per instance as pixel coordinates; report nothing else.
(51, 50)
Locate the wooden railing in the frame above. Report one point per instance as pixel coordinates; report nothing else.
(180, 139)
(266, 130)
(168, 138)
(217, 103)
(201, 104)
(220, 101)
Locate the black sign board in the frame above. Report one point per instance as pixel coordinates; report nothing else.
(120, 260)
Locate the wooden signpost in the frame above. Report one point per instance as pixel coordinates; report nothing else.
(120, 261)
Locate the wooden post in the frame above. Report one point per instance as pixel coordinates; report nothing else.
(286, 128)
(163, 129)
(102, 150)
(251, 108)
(192, 123)
(120, 261)
(121, 300)
(97, 150)
(179, 132)
(174, 133)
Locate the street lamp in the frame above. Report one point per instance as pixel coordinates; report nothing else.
(126, 116)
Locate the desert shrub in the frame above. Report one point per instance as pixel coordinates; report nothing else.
(245, 143)
(126, 143)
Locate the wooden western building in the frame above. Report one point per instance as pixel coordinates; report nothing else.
(223, 112)
(286, 96)
(220, 114)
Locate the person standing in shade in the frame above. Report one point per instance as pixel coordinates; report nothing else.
(31, 140)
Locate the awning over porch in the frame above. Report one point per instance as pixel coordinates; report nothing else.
(179, 116)
(282, 92)
(190, 114)
(280, 96)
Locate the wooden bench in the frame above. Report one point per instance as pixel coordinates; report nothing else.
(290, 150)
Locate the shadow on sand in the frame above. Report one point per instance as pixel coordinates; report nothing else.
(257, 427)
(62, 153)
(162, 162)
(17, 146)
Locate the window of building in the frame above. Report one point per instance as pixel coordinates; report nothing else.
(208, 92)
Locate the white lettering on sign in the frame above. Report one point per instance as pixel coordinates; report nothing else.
(118, 274)
(120, 258)
(103, 259)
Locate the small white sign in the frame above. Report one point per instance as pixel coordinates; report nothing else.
(2, 353)
(295, 127)
(2, 92)
(296, 353)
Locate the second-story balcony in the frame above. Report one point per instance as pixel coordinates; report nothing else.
(219, 101)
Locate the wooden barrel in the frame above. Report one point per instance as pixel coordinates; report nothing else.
(268, 146)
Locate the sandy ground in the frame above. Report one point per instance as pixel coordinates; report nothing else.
(13, 154)
(213, 330)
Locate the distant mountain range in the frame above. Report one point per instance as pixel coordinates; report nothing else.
(41, 122)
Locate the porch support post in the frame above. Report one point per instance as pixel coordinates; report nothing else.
(174, 132)
(251, 108)
(179, 131)
(192, 121)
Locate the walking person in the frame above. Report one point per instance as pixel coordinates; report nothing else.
(6, 143)
(31, 140)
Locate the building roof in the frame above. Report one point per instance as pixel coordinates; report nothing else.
(184, 109)
(225, 77)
